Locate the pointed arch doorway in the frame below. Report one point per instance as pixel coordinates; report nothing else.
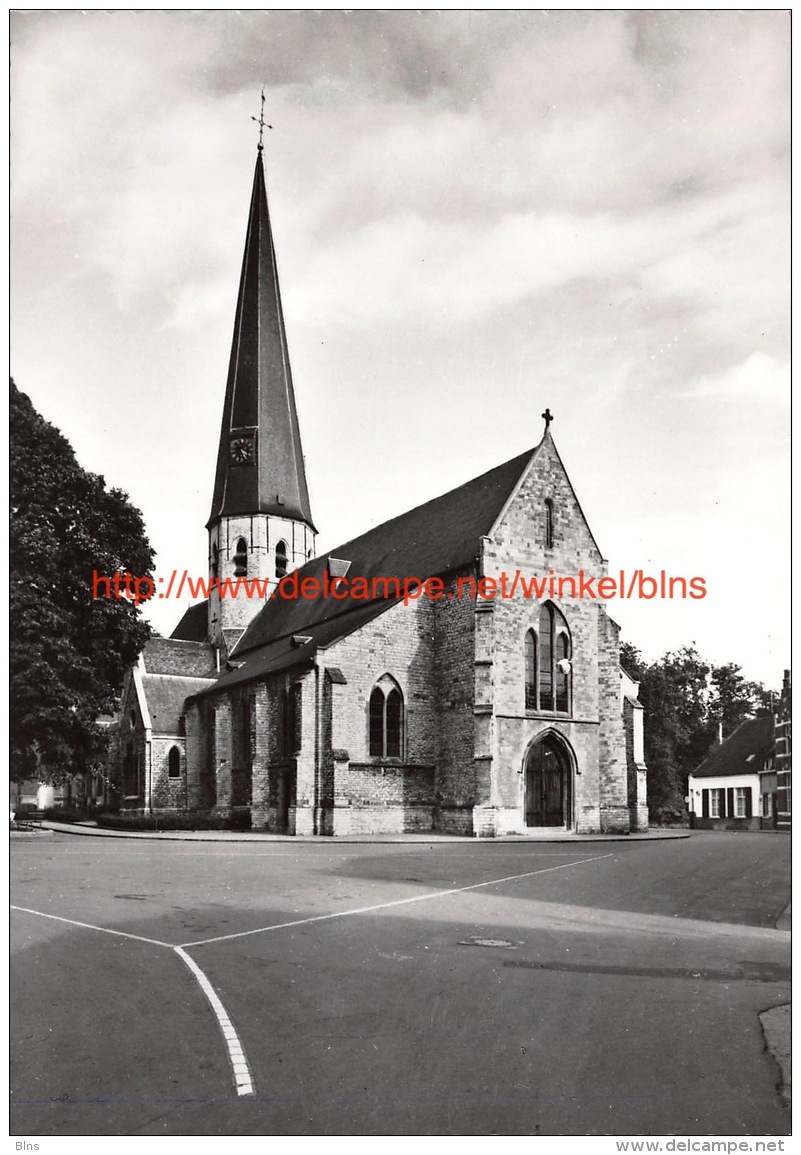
(548, 784)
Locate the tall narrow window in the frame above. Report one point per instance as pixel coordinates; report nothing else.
(394, 723)
(386, 720)
(546, 657)
(280, 560)
(241, 558)
(377, 723)
(548, 523)
(174, 762)
(531, 670)
(562, 672)
(554, 661)
(215, 560)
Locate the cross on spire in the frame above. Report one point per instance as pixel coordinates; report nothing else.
(547, 417)
(261, 123)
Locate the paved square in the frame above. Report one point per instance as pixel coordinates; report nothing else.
(163, 987)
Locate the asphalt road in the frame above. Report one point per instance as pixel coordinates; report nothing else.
(562, 989)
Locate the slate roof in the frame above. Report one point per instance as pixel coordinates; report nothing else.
(165, 695)
(259, 412)
(175, 656)
(743, 752)
(435, 538)
(193, 626)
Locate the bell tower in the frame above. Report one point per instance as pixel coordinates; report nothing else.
(260, 526)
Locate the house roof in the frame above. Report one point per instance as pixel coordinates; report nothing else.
(289, 652)
(743, 752)
(260, 467)
(435, 538)
(165, 695)
(193, 626)
(175, 656)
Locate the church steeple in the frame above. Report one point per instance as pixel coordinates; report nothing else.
(260, 461)
(260, 524)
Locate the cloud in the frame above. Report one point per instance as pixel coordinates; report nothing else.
(759, 376)
(476, 213)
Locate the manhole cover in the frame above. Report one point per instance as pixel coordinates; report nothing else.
(496, 942)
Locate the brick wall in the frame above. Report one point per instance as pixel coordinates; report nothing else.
(520, 543)
(612, 769)
(261, 534)
(462, 779)
(397, 643)
(223, 753)
(167, 793)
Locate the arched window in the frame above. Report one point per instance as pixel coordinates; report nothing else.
(280, 560)
(531, 670)
(554, 663)
(241, 558)
(174, 762)
(548, 523)
(386, 720)
(215, 560)
(562, 672)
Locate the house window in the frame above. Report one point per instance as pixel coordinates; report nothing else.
(554, 661)
(531, 670)
(241, 558)
(280, 560)
(174, 762)
(386, 720)
(740, 807)
(767, 805)
(548, 523)
(715, 803)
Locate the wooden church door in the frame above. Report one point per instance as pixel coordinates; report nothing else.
(547, 785)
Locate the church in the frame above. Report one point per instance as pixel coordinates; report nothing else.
(379, 705)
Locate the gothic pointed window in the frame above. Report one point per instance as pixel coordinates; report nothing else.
(174, 763)
(377, 723)
(241, 558)
(386, 721)
(546, 657)
(562, 672)
(554, 661)
(280, 560)
(531, 670)
(548, 523)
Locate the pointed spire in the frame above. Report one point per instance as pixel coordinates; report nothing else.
(260, 465)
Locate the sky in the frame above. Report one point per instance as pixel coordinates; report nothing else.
(476, 215)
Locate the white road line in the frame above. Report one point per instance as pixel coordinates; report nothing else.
(90, 926)
(395, 902)
(243, 1079)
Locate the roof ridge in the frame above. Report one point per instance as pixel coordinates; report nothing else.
(438, 536)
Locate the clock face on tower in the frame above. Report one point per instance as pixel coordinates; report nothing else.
(242, 449)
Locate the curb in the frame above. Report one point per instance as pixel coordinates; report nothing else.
(369, 839)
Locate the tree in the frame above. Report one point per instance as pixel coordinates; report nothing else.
(734, 699)
(69, 649)
(685, 699)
